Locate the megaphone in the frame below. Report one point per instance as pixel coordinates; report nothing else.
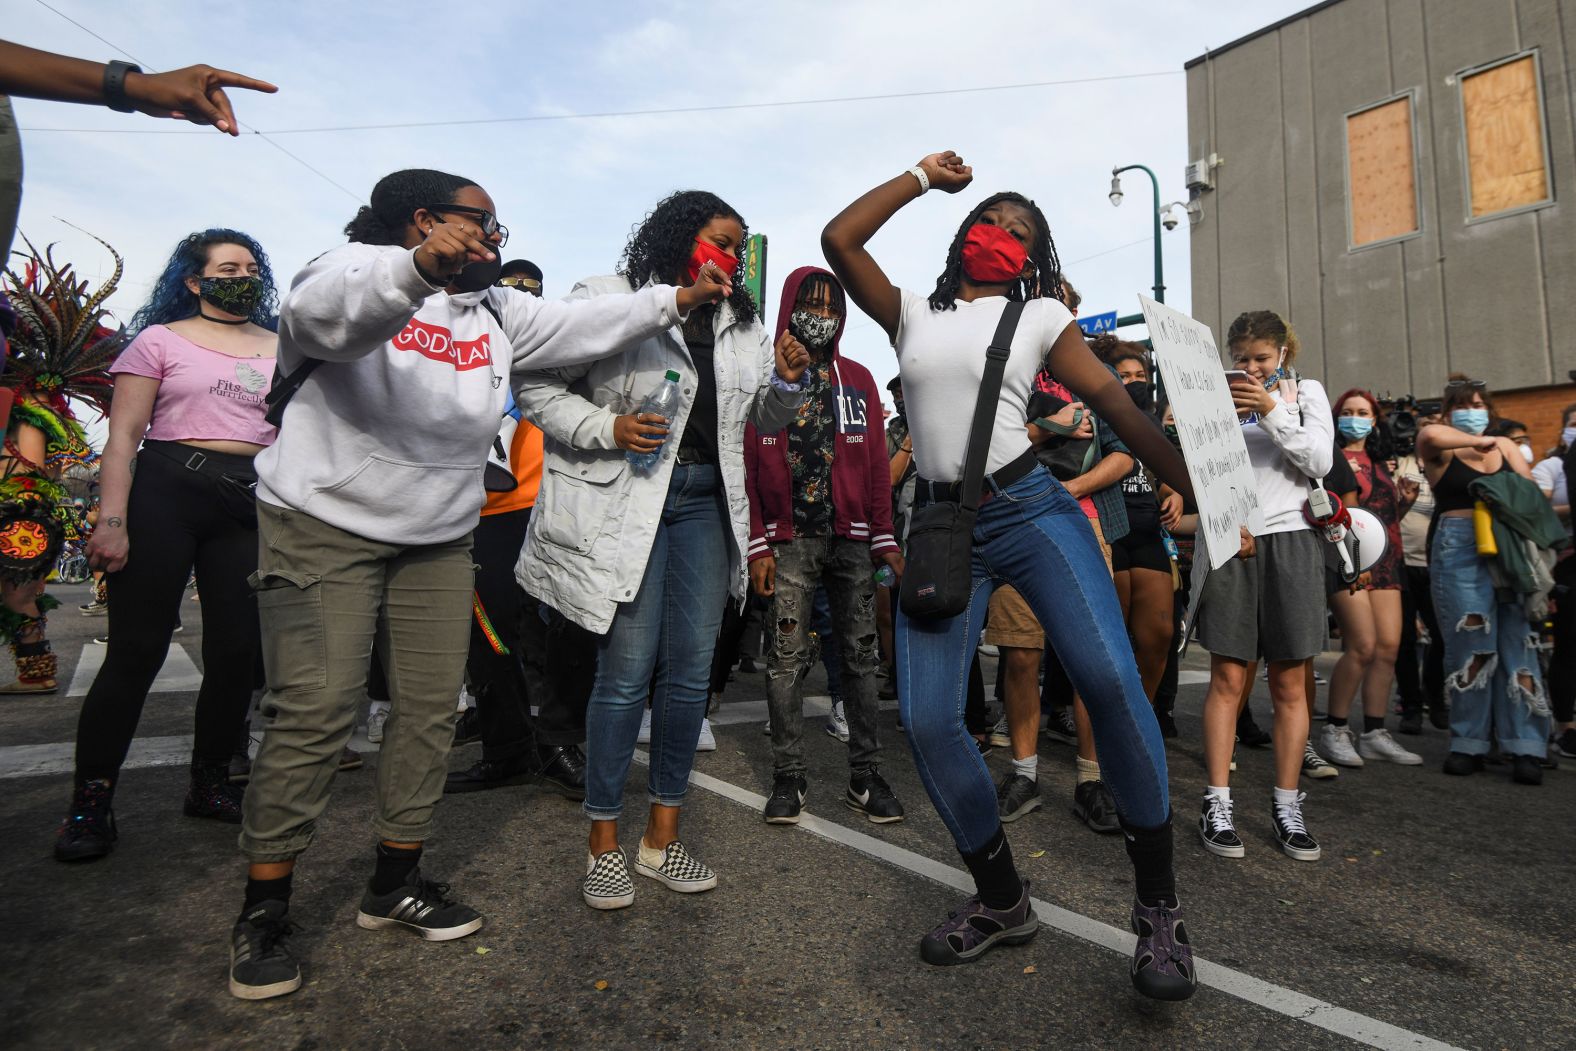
(498, 476)
(1372, 541)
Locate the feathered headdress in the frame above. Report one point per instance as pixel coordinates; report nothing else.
(61, 346)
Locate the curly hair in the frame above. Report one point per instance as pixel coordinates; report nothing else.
(395, 199)
(1113, 350)
(1046, 280)
(661, 245)
(171, 300)
(1266, 325)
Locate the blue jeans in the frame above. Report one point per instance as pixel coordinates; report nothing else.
(1034, 536)
(1490, 698)
(660, 646)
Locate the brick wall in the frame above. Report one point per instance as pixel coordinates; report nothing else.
(1539, 408)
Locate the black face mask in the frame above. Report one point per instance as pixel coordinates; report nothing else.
(233, 295)
(483, 273)
(1142, 396)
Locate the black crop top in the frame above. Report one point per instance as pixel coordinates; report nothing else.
(1451, 492)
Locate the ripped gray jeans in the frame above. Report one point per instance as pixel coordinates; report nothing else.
(1492, 678)
(845, 569)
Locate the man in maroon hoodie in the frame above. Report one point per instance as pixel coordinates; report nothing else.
(821, 515)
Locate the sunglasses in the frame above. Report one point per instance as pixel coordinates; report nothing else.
(491, 227)
(1459, 384)
(530, 284)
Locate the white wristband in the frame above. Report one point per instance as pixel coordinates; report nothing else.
(924, 180)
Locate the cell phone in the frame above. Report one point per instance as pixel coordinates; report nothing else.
(1235, 375)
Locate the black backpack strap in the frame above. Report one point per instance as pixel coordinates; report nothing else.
(284, 388)
(978, 449)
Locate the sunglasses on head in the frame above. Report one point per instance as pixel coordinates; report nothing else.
(1458, 384)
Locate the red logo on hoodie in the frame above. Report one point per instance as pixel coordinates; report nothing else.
(439, 344)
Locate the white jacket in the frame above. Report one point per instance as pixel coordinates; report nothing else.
(388, 438)
(595, 518)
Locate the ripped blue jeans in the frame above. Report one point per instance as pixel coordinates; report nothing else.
(1491, 659)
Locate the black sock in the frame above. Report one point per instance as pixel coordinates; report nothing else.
(1372, 723)
(261, 890)
(394, 868)
(995, 876)
(1335, 720)
(1150, 850)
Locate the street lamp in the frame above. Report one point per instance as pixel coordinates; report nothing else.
(1116, 200)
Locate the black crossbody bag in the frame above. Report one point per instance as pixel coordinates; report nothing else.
(938, 573)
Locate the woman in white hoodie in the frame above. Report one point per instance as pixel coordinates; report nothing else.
(396, 349)
(646, 557)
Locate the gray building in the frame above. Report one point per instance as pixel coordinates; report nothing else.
(1389, 175)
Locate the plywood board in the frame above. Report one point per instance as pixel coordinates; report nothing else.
(1504, 132)
(1381, 173)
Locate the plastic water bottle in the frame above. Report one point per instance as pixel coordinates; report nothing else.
(664, 402)
(885, 577)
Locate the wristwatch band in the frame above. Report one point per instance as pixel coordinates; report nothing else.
(115, 85)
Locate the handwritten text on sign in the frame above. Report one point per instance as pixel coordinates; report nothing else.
(1217, 457)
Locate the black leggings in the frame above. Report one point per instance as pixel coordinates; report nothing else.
(177, 518)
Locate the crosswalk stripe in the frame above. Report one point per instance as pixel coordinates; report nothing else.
(179, 674)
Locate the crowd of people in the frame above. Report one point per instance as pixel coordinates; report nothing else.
(411, 476)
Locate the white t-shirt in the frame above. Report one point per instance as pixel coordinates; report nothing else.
(1550, 476)
(941, 358)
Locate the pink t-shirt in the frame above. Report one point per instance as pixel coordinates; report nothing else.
(203, 394)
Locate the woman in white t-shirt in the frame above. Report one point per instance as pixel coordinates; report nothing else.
(1030, 534)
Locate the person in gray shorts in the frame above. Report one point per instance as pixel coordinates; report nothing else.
(1269, 606)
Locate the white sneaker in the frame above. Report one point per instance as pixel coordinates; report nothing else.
(767, 729)
(1000, 735)
(375, 720)
(1378, 744)
(644, 737)
(837, 722)
(707, 742)
(1314, 766)
(1339, 745)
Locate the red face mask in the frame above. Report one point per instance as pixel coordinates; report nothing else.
(706, 252)
(992, 256)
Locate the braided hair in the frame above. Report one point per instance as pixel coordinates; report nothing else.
(395, 199)
(171, 300)
(1045, 280)
(661, 245)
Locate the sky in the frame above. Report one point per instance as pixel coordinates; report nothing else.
(570, 190)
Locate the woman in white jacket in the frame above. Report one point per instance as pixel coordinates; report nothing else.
(1271, 605)
(365, 507)
(647, 558)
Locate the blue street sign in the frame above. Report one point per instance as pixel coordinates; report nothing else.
(1095, 324)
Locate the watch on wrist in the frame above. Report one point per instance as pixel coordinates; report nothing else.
(115, 85)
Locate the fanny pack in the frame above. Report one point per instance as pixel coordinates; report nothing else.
(234, 477)
(938, 573)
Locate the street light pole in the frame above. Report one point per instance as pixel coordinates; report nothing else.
(1116, 199)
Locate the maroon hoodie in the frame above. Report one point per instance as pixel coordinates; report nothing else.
(861, 482)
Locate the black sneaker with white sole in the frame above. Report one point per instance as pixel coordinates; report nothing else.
(786, 800)
(423, 907)
(1217, 830)
(1290, 831)
(870, 795)
(1016, 796)
(261, 966)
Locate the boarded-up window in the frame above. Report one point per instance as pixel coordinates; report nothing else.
(1381, 172)
(1506, 159)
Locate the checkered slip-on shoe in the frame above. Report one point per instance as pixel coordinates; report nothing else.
(675, 868)
(607, 884)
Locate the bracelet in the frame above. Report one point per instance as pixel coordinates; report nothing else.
(924, 180)
(115, 85)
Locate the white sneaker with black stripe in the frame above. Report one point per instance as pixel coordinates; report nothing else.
(675, 868)
(607, 884)
(421, 906)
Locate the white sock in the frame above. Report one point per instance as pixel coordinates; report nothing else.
(1223, 794)
(1088, 770)
(1285, 797)
(380, 706)
(465, 700)
(1029, 767)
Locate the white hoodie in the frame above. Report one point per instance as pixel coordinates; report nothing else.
(388, 437)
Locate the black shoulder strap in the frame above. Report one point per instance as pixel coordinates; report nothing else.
(978, 449)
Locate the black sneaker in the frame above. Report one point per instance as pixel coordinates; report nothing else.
(88, 832)
(1168, 726)
(1016, 796)
(1411, 722)
(468, 727)
(212, 794)
(260, 962)
(1291, 833)
(491, 773)
(787, 799)
(1439, 717)
(563, 769)
(1526, 770)
(1060, 727)
(870, 795)
(1093, 805)
(422, 906)
(1565, 744)
(1249, 733)
(1217, 830)
(1461, 764)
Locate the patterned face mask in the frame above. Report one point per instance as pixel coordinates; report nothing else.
(811, 329)
(233, 295)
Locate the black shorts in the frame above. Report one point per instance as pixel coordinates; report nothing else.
(1140, 549)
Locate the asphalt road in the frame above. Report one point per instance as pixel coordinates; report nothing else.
(1438, 914)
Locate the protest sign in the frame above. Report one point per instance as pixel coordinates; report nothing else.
(1217, 457)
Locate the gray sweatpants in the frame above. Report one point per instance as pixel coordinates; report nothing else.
(323, 595)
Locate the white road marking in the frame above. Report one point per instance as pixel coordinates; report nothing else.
(179, 674)
(33, 760)
(1298, 1006)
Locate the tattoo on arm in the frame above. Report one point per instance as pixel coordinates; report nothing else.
(114, 522)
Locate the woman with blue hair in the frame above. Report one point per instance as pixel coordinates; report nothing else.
(189, 391)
